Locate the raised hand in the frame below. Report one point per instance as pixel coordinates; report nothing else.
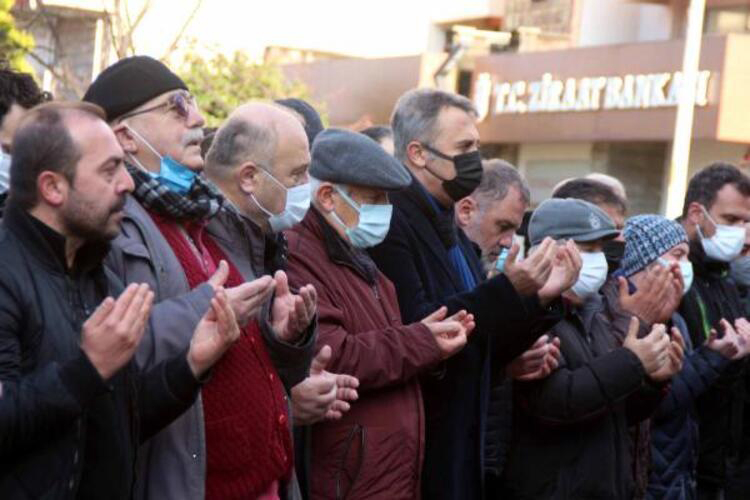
(451, 334)
(728, 345)
(742, 327)
(215, 333)
(652, 350)
(647, 303)
(292, 313)
(675, 359)
(112, 333)
(322, 395)
(530, 275)
(538, 362)
(565, 269)
(247, 299)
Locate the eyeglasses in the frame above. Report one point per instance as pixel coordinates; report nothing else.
(180, 102)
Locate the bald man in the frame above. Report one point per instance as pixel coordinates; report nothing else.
(259, 160)
(611, 182)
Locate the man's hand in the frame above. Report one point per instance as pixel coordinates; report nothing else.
(742, 328)
(292, 314)
(647, 303)
(538, 362)
(112, 333)
(215, 333)
(451, 333)
(530, 275)
(247, 299)
(322, 395)
(674, 362)
(728, 345)
(652, 350)
(565, 269)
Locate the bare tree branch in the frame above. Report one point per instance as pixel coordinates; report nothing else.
(180, 33)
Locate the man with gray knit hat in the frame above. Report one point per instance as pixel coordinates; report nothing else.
(654, 241)
(583, 409)
(375, 450)
(235, 441)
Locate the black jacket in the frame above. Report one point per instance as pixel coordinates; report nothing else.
(414, 256)
(674, 425)
(570, 434)
(720, 409)
(64, 432)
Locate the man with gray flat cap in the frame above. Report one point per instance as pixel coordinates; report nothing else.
(572, 438)
(375, 450)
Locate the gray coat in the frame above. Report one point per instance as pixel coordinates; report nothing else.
(173, 463)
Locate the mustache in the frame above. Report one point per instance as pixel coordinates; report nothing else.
(192, 136)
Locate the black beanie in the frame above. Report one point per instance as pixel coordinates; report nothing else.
(313, 123)
(130, 82)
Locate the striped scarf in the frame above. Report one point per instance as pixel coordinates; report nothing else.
(201, 203)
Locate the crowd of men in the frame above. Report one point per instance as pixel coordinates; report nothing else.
(278, 310)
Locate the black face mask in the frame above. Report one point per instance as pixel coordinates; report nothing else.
(468, 173)
(613, 251)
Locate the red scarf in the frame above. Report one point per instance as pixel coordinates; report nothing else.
(247, 435)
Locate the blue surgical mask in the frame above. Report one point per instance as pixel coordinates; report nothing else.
(500, 263)
(686, 268)
(296, 205)
(373, 225)
(4, 171)
(173, 175)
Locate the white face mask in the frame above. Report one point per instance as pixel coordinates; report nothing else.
(295, 208)
(726, 244)
(593, 275)
(4, 171)
(686, 268)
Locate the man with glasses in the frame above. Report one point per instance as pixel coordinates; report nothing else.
(235, 441)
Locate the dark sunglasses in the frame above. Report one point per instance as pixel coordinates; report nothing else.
(180, 103)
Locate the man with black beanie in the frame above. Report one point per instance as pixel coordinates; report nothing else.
(235, 440)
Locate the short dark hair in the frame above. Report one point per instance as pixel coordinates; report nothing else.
(705, 185)
(592, 191)
(498, 177)
(18, 88)
(43, 143)
(378, 132)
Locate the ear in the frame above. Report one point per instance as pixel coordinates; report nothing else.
(125, 138)
(52, 188)
(416, 154)
(247, 177)
(695, 214)
(324, 197)
(465, 209)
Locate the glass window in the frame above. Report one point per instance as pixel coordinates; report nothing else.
(728, 20)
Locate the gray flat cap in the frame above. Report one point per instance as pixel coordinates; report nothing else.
(570, 218)
(345, 157)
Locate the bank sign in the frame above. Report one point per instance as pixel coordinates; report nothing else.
(553, 95)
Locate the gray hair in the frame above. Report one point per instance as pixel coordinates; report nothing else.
(498, 177)
(239, 140)
(415, 116)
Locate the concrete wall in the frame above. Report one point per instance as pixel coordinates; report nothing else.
(546, 164)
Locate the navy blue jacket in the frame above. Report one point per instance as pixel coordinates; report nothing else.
(674, 425)
(414, 256)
